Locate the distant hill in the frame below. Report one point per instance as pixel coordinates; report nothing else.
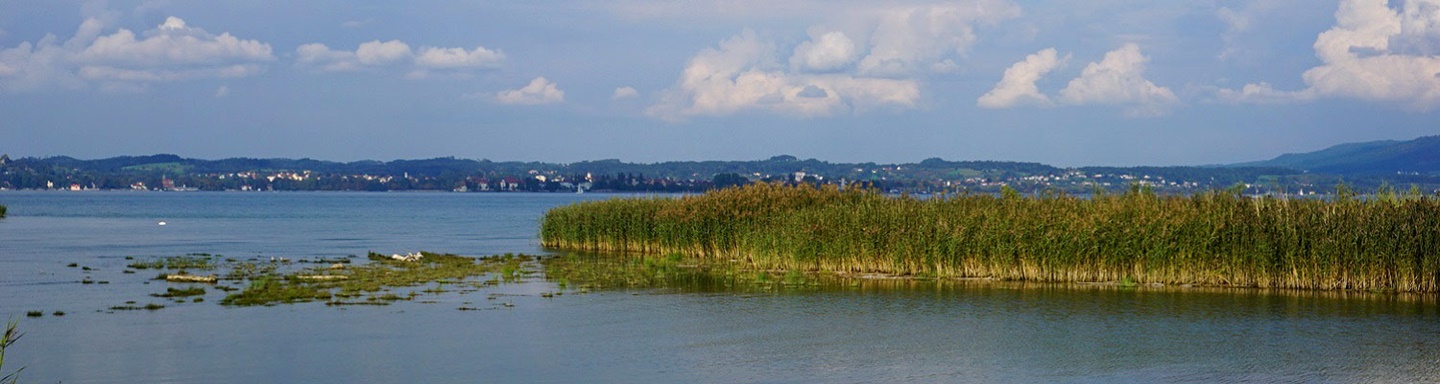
(446, 173)
(1420, 156)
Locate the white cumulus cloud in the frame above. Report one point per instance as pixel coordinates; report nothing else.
(624, 93)
(445, 58)
(1372, 53)
(860, 57)
(373, 53)
(824, 52)
(1017, 87)
(539, 91)
(743, 74)
(320, 56)
(173, 43)
(376, 53)
(171, 51)
(398, 54)
(917, 39)
(1119, 79)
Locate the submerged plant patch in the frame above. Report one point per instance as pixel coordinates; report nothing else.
(379, 280)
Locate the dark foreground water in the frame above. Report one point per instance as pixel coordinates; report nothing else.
(873, 332)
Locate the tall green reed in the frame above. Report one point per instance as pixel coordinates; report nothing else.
(1389, 242)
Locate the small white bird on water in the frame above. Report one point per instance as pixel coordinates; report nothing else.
(162, 223)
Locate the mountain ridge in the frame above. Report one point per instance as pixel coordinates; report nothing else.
(1416, 156)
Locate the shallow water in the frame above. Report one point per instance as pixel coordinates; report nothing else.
(872, 332)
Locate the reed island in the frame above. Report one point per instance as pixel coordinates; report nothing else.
(1387, 242)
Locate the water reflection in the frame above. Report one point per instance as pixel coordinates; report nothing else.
(674, 273)
(986, 331)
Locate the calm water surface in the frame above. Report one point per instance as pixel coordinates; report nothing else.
(909, 332)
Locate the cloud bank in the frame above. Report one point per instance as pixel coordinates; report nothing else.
(829, 73)
(743, 75)
(172, 51)
(1373, 53)
(1117, 80)
(395, 53)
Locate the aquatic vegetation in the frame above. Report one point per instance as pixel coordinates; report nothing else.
(182, 277)
(131, 307)
(200, 261)
(2, 211)
(171, 292)
(271, 290)
(372, 279)
(1389, 242)
(247, 270)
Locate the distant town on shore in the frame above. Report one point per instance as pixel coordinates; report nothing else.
(1362, 166)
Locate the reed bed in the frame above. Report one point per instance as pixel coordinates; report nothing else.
(1390, 242)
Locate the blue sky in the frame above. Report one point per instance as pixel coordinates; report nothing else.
(1067, 83)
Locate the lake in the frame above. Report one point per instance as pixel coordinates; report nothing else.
(883, 331)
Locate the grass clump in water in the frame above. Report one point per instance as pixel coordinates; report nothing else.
(172, 292)
(132, 307)
(1390, 242)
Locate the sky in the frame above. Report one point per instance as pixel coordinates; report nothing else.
(1066, 83)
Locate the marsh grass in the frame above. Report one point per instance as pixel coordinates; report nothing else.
(2, 211)
(1389, 242)
(7, 340)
